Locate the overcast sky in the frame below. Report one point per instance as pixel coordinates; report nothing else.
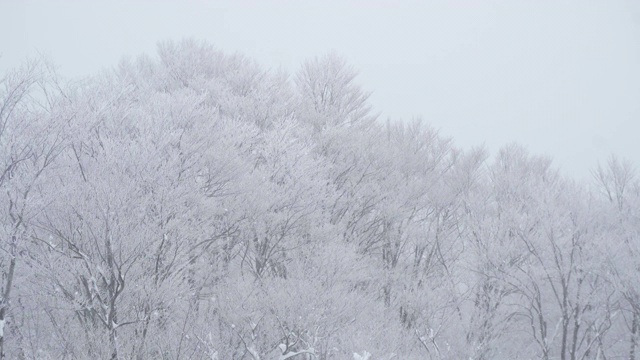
(561, 77)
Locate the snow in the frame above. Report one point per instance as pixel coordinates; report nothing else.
(365, 356)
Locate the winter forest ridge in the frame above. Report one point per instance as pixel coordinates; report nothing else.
(192, 205)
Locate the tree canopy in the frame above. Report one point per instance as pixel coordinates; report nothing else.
(195, 205)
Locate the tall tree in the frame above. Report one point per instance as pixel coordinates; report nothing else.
(32, 135)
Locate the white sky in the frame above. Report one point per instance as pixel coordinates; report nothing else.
(561, 77)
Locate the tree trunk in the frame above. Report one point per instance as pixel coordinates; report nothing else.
(4, 303)
(635, 323)
(114, 344)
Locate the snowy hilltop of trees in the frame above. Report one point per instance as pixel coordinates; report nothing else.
(193, 205)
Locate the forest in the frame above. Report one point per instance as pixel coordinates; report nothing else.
(194, 205)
